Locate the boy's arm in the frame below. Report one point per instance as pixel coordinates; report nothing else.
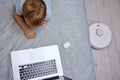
(27, 30)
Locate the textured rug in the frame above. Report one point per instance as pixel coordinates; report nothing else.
(68, 23)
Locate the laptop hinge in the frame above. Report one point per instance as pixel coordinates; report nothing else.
(56, 77)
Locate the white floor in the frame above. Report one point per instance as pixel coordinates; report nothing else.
(107, 61)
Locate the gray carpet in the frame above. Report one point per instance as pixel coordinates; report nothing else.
(68, 23)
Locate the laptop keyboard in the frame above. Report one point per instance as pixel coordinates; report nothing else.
(30, 71)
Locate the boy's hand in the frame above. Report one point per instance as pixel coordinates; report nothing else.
(29, 33)
(43, 22)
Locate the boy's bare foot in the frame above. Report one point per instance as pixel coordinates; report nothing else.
(29, 33)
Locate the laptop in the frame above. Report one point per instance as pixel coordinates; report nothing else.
(37, 64)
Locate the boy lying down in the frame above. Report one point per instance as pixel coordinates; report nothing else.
(30, 14)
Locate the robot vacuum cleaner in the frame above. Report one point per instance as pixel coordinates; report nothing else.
(100, 35)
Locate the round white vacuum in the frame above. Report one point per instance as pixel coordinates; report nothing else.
(100, 35)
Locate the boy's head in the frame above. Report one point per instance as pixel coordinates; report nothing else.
(34, 12)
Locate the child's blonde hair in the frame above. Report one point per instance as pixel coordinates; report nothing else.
(34, 12)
